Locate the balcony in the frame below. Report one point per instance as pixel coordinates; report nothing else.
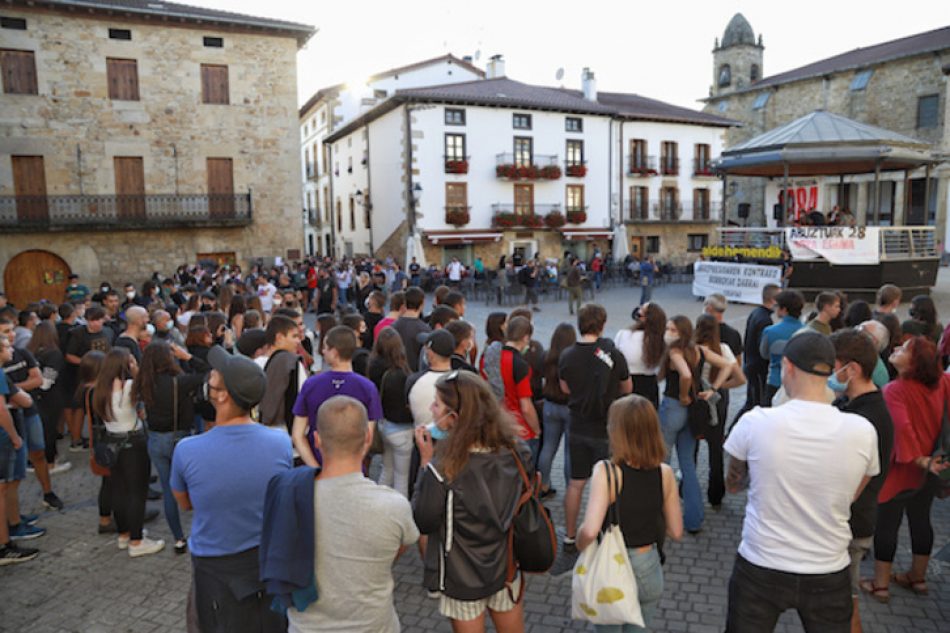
(636, 210)
(701, 212)
(118, 213)
(311, 171)
(640, 166)
(669, 166)
(575, 168)
(575, 215)
(456, 164)
(702, 168)
(528, 216)
(656, 211)
(536, 168)
(458, 215)
(313, 218)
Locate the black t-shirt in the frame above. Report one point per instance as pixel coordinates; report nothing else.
(130, 344)
(18, 370)
(871, 406)
(62, 331)
(391, 384)
(593, 373)
(81, 340)
(730, 336)
(161, 415)
(360, 360)
(372, 320)
(409, 328)
(52, 364)
(325, 303)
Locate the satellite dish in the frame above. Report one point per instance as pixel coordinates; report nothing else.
(478, 54)
(559, 75)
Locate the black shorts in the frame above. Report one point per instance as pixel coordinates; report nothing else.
(585, 452)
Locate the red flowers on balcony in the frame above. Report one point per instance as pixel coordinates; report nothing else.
(642, 170)
(457, 216)
(531, 221)
(554, 220)
(576, 170)
(576, 216)
(504, 220)
(527, 172)
(508, 220)
(459, 166)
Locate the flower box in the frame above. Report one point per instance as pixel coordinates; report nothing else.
(577, 216)
(554, 220)
(642, 171)
(518, 172)
(456, 166)
(457, 217)
(577, 171)
(532, 221)
(551, 172)
(504, 220)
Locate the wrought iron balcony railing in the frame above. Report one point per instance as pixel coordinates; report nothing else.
(120, 212)
(703, 167)
(639, 165)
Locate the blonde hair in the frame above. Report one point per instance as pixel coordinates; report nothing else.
(634, 431)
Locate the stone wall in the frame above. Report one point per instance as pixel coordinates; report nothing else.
(169, 127)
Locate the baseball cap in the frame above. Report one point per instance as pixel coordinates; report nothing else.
(811, 352)
(243, 378)
(440, 342)
(251, 341)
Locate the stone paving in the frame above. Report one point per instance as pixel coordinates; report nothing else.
(82, 583)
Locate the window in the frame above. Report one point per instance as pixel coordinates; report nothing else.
(524, 151)
(454, 116)
(669, 204)
(339, 216)
(352, 214)
(367, 208)
(120, 34)
(123, 78)
(696, 242)
(653, 244)
(723, 106)
(214, 84)
(349, 164)
(19, 72)
(760, 100)
(927, 112)
(700, 204)
(454, 147)
(575, 198)
(575, 153)
(755, 73)
(702, 166)
(17, 24)
(860, 81)
(639, 203)
(521, 121)
(524, 199)
(725, 75)
(214, 42)
(456, 195)
(670, 158)
(573, 124)
(638, 155)
(380, 94)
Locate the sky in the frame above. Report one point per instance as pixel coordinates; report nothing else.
(660, 49)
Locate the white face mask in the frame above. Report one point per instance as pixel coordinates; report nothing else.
(130, 294)
(669, 339)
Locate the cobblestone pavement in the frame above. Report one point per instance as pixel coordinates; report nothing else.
(82, 583)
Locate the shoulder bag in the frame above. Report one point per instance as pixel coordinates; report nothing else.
(532, 541)
(698, 415)
(603, 586)
(104, 452)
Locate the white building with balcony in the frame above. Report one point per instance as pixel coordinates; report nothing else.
(494, 166)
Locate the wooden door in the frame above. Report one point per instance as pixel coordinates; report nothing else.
(524, 199)
(636, 247)
(221, 187)
(129, 187)
(29, 185)
(35, 275)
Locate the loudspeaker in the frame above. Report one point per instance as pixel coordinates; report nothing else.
(777, 212)
(744, 208)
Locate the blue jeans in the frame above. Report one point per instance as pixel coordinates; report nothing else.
(535, 446)
(676, 434)
(649, 575)
(646, 292)
(160, 448)
(556, 422)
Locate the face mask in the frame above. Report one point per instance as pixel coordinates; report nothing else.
(150, 329)
(130, 294)
(669, 339)
(104, 289)
(837, 386)
(436, 431)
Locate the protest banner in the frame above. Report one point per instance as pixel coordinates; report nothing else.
(740, 283)
(843, 245)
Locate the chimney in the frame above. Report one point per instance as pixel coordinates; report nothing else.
(496, 67)
(467, 59)
(589, 85)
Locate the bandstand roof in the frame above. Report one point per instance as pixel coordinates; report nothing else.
(822, 143)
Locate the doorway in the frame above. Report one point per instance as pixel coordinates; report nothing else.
(29, 186)
(35, 275)
(220, 187)
(522, 250)
(636, 247)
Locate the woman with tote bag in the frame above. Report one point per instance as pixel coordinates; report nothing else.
(646, 504)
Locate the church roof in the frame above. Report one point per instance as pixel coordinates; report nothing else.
(738, 32)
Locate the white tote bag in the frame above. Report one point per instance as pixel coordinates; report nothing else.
(603, 586)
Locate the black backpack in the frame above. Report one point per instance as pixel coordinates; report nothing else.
(532, 541)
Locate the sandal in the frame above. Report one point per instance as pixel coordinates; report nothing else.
(880, 594)
(904, 580)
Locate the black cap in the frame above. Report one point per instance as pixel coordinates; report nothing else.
(251, 341)
(812, 352)
(440, 342)
(243, 378)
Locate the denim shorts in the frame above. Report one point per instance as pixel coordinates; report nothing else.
(33, 436)
(8, 456)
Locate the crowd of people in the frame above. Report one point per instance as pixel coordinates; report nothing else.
(266, 431)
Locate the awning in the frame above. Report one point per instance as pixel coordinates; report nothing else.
(580, 235)
(444, 238)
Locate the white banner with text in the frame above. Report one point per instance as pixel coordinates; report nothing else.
(843, 245)
(740, 283)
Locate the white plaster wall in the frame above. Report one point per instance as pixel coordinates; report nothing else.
(387, 173)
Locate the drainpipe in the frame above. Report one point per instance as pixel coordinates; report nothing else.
(367, 198)
(333, 211)
(79, 167)
(410, 205)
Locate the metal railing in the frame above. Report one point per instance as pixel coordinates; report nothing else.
(119, 212)
(636, 211)
(538, 160)
(312, 171)
(455, 164)
(669, 165)
(896, 242)
(638, 165)
(703, 167)
(536, 209)
(314, 218)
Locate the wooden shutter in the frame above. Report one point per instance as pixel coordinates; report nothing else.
(220, 187)
(456, 195)
(19, 72)
(524, 199)
(214, 84)
(29, 185)
(129, 187)
(123, 78)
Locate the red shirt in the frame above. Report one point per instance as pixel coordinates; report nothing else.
(516, 375)
(384, 322)
(918, 416)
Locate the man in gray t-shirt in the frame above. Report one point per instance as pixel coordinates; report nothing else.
(353, 556)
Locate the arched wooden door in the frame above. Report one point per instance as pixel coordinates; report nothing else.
(35, 275)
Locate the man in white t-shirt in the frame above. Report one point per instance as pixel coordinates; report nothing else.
(804, 463)
(455, 269)
(266, 291)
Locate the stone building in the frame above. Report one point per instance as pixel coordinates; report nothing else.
(900, 85)
(140, 135)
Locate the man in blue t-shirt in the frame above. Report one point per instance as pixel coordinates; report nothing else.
(341, 380)
(222, 475)
(789, 304)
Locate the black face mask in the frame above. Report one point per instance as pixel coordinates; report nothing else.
(205, 308)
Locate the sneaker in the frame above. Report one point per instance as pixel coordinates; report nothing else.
(24, 532)
(29, 519)
(60, 467)
(123, 541)
(108, 528)
(181, 546)
(11, 553)
(30, 469)
(78, 447)
(564, 563)
(146, 547)
(50, 500)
